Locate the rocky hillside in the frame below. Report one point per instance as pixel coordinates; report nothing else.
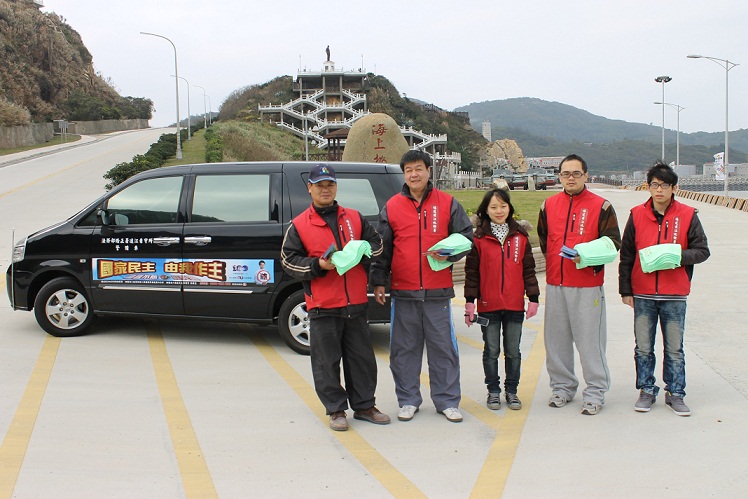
(47, 73)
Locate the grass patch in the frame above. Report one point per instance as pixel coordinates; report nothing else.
(526, 204)
(193, 151)
(55, 141)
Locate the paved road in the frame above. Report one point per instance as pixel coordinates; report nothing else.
(174, 409)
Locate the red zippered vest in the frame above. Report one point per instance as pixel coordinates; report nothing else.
(571, 220)
(414, 232)
(332, 290)
(674, 229)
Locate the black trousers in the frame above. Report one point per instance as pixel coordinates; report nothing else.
(334, 339)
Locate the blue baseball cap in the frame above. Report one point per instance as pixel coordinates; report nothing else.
(322, 172)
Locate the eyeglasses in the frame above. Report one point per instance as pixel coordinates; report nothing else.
(575, 174)
(657, 185)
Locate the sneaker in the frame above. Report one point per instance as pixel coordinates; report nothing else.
(645, 402)
(591, 408)
(676, 404)
(557, 400)
(513, 402)
(338, 421)
(494, 401)
(452, 413)
(407, 412)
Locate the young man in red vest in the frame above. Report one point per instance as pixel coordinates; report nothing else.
(412, 222)
(336, 303)
(660, 295)
(575, 299)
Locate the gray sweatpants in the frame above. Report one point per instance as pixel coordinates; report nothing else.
(576, 316)
(415, 322)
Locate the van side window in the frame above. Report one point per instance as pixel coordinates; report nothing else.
(357, 193)
(231, 198)
(152, 201)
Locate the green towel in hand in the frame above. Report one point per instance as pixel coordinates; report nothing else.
(454, 244)
(660, 257)
(597, 252)
(350, 255)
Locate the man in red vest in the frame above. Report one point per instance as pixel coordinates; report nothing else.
(336, 303)
(410, 223)
(575, 299)
(660, 295)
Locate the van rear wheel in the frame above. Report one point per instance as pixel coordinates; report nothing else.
(62, 308)
(293, 322)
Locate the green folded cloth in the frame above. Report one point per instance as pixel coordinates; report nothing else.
(660, 257)
(350, 255)
(597, 252)
(454, 244)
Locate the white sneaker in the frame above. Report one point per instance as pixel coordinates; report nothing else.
(453, 414)
(407, 412)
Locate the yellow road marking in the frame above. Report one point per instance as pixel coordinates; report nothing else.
(495, 472)
(17, 439)
(196, 477)
(389, 476)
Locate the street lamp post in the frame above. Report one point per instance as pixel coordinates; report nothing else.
(677, 140)
(210, 113)
(205, 109)
(728, 66)
(663, 80)
(189, 125)
(176, 73)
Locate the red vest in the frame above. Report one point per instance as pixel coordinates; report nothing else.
(332, 290)
(673, 229)
(414, 232)
(502, 282)
(571, 220)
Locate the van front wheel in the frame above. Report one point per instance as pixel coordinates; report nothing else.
(293, 322)
(62, 308)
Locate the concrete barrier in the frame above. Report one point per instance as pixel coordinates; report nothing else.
(21, 136)
(739, 204)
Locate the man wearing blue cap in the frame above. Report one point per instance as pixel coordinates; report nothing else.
(337, 304)
(660, 295)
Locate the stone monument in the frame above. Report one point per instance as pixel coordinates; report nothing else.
(375, 138)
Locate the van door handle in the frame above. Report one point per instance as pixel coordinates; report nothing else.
(198, 240)
(166, 241)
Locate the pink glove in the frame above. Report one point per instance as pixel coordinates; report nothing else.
(532, 309)
(469, 313)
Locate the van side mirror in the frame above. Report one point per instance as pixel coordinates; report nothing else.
(104, 216)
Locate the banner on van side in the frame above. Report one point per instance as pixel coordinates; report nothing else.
(170, 271)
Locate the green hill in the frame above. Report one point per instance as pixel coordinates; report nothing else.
(543, 128)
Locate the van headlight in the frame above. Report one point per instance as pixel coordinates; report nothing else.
(19, 251)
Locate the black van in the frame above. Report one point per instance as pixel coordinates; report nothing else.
(193, 241)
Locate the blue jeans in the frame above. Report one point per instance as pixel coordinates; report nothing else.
(672, 317)
(511, 322)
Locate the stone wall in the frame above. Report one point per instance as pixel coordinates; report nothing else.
(20, 136)
(39, 133)
(104, 126)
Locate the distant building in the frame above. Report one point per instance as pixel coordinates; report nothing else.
(685, 170)
(487, 130)
(546, 162)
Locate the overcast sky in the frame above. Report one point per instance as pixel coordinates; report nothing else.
(600, 56)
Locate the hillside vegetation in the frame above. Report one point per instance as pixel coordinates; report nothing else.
(382, 97)
(543, 128)
(47, 72)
